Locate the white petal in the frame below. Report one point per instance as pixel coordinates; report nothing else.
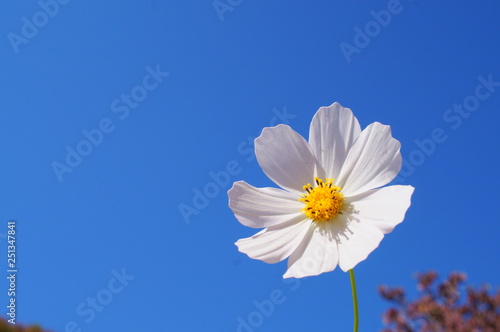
(332, 132)
(262, 207)
(356, 239)
(285, 157)
(373, 161)
(384, 208)
(273, 245)
(316, 254)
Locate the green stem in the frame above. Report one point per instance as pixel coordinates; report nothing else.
(354, 300)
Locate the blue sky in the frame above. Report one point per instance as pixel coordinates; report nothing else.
(162, 99)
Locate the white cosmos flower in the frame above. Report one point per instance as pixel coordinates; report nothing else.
(331, 208)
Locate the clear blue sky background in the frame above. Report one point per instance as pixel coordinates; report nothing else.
(118, 209)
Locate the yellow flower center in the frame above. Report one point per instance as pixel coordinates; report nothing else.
(322, 202)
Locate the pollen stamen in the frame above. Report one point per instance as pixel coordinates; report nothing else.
(323, 202)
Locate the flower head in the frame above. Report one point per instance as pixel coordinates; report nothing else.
(331, 209)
